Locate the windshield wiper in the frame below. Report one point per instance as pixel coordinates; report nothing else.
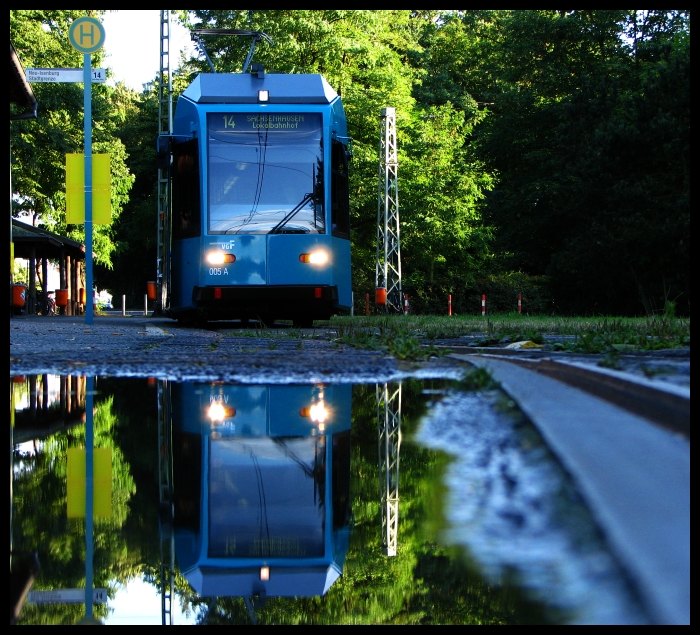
(307, 199)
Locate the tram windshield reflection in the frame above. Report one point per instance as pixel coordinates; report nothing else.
(260, 486)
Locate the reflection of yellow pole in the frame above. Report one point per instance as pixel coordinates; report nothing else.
(101, 479)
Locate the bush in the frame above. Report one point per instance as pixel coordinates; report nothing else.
(501, 291)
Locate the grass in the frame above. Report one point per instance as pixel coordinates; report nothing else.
(416, 337)
(412, 337)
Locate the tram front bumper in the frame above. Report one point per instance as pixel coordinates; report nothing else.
(281, 301)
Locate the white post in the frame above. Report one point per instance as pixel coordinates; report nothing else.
(145, 304)
(123, 305)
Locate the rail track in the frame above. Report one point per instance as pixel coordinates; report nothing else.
(625, 441)
(665, 403)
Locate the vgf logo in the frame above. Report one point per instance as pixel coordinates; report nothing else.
(86, 35)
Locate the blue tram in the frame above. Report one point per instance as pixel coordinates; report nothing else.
(260, 221)
(261, 490)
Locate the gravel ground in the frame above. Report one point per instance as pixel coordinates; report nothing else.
(140, 346)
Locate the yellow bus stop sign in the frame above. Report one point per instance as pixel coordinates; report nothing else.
(101, 189)
(86, 35)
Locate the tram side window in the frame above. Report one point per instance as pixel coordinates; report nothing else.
(185, 190)
(340, 197)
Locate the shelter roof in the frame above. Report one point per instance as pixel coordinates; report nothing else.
(45, 243)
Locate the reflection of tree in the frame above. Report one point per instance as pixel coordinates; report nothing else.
(40, 521)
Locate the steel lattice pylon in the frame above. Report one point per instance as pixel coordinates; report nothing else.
(165, 127)
(388, 270)
(389, 426)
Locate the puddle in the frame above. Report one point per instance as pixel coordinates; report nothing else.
(410, 502)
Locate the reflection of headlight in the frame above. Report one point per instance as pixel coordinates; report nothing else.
(315, 258)
(219, 258)
(318, 412)
(218, 412)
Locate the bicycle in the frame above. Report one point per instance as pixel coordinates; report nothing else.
(45, 308)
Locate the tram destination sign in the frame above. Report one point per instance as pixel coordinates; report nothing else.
(64, 75)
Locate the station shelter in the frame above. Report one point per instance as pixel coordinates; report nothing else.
(34, 244)
(39, 246)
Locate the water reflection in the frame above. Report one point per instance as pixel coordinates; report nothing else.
(44, 404)
(239, 503)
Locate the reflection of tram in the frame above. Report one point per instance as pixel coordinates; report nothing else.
(261, 487)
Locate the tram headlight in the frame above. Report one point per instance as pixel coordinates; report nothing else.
(314, 258)
(218, 258)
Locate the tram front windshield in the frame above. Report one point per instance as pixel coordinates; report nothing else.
(265, 173)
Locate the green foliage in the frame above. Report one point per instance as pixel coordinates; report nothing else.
(589, 335)
(590, 137)
(502, 290)
(38, 147)
(388, 336)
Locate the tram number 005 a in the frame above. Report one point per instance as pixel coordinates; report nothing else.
(218, 271)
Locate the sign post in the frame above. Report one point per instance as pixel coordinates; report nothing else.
(87, 35)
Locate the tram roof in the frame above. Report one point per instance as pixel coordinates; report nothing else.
(242, 88)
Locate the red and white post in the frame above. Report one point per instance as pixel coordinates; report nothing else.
(483, 305)
(449, 304)
(405, 303)
(520, 302)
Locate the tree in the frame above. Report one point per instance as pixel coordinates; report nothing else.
(39, 147)
(576, 129)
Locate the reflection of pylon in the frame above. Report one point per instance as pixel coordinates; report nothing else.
(388, 268)
(165, 509)
(389, 426)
